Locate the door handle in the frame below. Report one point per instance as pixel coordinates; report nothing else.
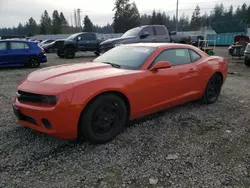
(191, 71)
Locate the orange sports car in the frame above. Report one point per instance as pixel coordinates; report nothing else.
(94, 100)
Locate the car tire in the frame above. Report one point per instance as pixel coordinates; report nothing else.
(97, 53)
(213, 89)
(69, 53)
(34, 62)
(247, 62)
(103, 119)
(59, 54)
(50, 50)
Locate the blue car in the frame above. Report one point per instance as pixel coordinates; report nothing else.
(21, 53)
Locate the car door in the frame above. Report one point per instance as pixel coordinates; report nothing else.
(87, 41)
(184, 69)
(150, 37)
(19, 52)
(161, 35)
(3, 54)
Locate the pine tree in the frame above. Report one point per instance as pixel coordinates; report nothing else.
(88, 25)
(126, 16)
(196, 19)
(56, 22)
(32, 27)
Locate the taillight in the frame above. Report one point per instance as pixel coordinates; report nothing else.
(42, 51)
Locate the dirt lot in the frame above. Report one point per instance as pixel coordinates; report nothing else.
(192, 145)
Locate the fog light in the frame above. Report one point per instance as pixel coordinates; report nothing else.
(46, 123)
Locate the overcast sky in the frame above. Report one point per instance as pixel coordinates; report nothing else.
(100, 11)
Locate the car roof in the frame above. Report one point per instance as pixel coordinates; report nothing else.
(16, 40)
(157, 45)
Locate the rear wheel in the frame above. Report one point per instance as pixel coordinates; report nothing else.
(50, 50)
(34, 62)
(213, 89)
(103, 119)
(69, 53)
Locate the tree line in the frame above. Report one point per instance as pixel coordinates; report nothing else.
(127, 16)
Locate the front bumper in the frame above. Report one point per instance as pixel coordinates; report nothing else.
(63, 118)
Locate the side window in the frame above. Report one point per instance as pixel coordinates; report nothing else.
(89, 36)
(194, 55)
(160, 30)
(18, 46)
(148, 29)
(3, 46)
(174, 56)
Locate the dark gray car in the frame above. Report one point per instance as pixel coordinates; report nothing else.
(247, 55)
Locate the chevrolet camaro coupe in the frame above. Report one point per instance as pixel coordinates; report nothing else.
(95, 100)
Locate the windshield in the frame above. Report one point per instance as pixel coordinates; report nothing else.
(127, 57)
(71, 37)
(132, 32)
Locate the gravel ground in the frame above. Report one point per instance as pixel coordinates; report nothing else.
(192, 145)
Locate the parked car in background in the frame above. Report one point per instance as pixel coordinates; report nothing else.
(48, 41)
(95, 100)
(247, 55)
(49, 48)
(146, 33)
(21, 53)
(78, 42)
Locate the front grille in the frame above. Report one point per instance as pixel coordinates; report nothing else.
(23, 96)
(29, 97)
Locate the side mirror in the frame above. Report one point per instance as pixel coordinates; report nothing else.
(144, 34)
(79, 38)
(160, 65)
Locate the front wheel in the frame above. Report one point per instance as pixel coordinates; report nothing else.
(97, 53)
(60, 54)
(103, 119)
(213, 89)
(69, 53)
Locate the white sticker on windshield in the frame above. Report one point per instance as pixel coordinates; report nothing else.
(143, 50)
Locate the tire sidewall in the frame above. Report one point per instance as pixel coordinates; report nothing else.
(85, 125)
(67, 51)
(205, 95)
(30, 64)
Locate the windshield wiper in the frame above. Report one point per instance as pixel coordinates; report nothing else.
(112, 64)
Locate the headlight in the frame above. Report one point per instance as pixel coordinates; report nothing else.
(49, 99)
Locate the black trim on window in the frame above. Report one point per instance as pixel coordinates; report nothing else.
(191, 55)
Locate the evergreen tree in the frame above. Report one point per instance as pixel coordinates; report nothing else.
(196, 19)
(32, 27)
(45, 23)
(56, 22)
(88, 25)
(126, 16)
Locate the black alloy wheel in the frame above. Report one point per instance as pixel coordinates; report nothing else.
(33, 62)
(103, 119)
(213, 89)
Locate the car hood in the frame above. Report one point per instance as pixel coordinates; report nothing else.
(114, 40)
(75, 73)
